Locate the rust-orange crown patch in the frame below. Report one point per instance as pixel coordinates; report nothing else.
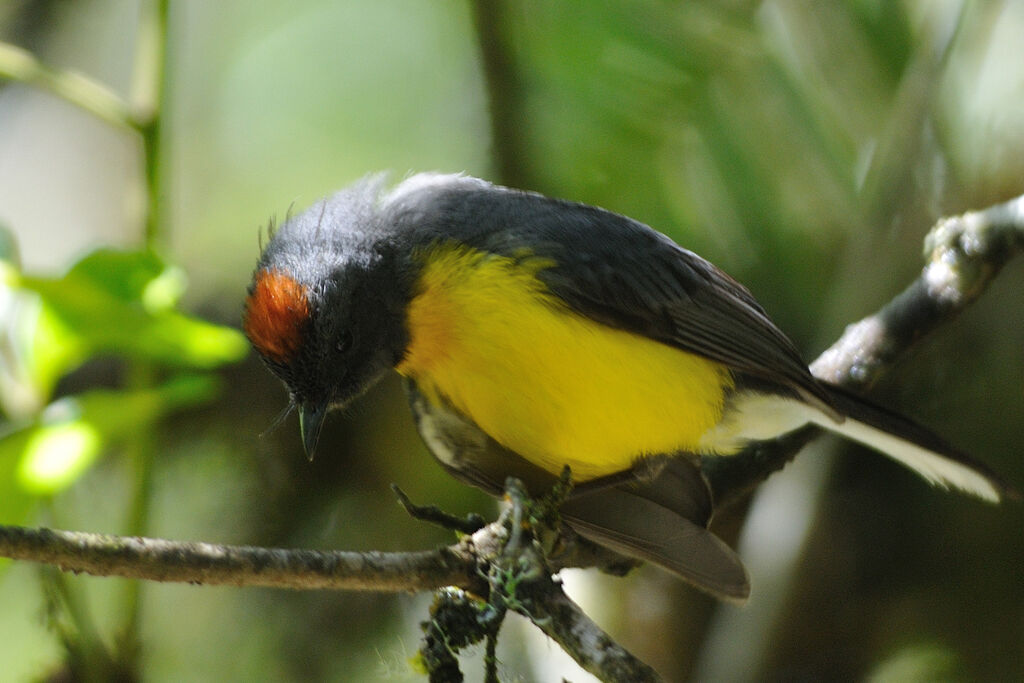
(275, 314)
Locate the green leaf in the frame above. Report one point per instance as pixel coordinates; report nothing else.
(15, 502)
(131, 276)
(49, 454)
(52, 347)
(56, 455)
(119, 302)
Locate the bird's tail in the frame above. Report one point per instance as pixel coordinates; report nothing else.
(913, 445)
(662, 520)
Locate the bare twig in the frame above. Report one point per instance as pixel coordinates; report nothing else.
(522, 580)
(962, 253)
(563, 621)
(206, 563)
(470, 524)
(154, 559)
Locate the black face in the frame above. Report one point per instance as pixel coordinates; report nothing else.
(327, 307)
(354, 335)
(355, 340)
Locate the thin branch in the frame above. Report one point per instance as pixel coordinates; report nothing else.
(24, 67)
(963, 254)
(154, 559)
(539, 599)
(211, 564)
(521, 578)
(563, 621)
(149, 95)
(470, 524)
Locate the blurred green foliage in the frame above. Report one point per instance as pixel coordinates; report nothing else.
(110, 303)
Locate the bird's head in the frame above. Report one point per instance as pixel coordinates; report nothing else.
(325, 308)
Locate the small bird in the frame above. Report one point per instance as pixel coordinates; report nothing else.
(534, 334)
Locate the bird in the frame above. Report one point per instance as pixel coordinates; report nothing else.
(534, 334)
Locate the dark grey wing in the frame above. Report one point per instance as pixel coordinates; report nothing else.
(619, 272)
(625, 275)
(632, 522)
(660, 515)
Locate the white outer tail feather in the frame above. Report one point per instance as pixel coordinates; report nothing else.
(936, 468)
(755, 417)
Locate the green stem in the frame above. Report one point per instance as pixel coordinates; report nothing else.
(148, 95)
(85, 641)
(140, 452)
(71, 620)
(22, 66)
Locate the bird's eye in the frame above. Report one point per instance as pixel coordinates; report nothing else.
(344, 342)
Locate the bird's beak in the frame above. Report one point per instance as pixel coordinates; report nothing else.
(311, 419)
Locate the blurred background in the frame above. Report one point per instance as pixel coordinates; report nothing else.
(804, 148)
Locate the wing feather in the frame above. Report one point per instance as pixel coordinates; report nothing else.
(621, 273)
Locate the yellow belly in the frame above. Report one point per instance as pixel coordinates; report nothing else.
(552, 385)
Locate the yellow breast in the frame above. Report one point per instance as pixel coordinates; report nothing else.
(544, 381)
